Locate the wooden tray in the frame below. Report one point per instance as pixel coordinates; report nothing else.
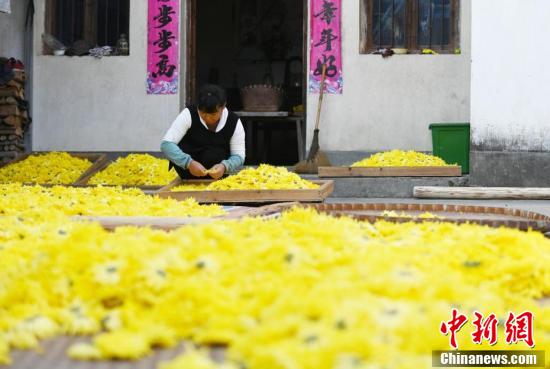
(484, 215)
(84, 180)
(148, 190)
(151, 190)
(169, 223)
(249, 196)
(98, 160)
(335, 172)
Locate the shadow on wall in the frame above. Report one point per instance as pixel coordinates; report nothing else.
(490, 140)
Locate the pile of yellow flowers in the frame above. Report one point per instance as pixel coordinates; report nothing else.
(304, 290)
(265, 177)
(46, 202)
(135, 170)
(399, 158)
(49, 168)
(191, 187)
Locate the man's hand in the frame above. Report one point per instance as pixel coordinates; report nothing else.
(196, 169)
(217, 171)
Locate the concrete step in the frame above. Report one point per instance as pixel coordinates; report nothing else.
(386, 187)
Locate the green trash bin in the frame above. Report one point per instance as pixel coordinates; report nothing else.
(451, 142)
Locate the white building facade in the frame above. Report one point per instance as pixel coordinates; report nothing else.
(498, 82)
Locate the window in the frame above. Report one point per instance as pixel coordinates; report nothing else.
(410, 24)
(97, 22)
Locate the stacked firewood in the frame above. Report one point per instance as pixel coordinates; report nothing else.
(14, 117)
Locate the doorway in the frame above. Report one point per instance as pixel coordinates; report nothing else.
(238, 43)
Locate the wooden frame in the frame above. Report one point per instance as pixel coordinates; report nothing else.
(336, 172)
(430, 192)
(249, 196)
(366, 15)
(90, 21)
(49, 24)
(460, 214)
(164, 223)
(89, 27)
(191, 53)
(83, 181)
(98, 161)
(170, 223)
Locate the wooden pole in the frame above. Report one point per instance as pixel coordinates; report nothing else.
(526, 193)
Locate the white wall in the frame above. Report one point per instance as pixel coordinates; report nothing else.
(88, 104)
(99, 105)
(510, 75)
(12, 30)
(389, 103)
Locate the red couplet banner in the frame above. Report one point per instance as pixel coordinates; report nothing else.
(163, 47)
(326, 45)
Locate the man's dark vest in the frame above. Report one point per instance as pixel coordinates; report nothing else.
(207, 147)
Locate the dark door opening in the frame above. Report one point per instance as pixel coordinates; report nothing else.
(237, 43)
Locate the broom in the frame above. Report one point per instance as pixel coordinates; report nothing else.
(316, 158)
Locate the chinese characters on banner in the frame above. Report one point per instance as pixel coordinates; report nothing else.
(516, 328)
(163, 47)
(326, 46)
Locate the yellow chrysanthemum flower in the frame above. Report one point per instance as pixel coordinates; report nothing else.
(265, 177)
(83, 351)
(135, 170)
(47, 202)
(4, 351)
(304, 290)
(399, 158)
(122, 345)
(50, 168)
(191, 187)
(195, 359)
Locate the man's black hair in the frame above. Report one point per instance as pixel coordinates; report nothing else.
(211, 98)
